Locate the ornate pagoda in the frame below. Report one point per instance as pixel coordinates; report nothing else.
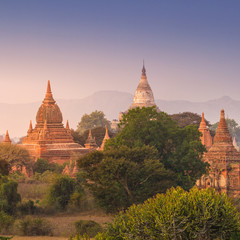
(50, 139)
(224, 161)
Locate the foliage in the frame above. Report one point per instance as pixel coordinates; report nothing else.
(65, 190)
(80, 237)
(27, 208)
(233, 128)
(180, 149)
(188, 118)
(6, 221)
(35, 227)
(93, 120)
(98, 133)
(88, 227)
(5, 238)
(42, 165)
(197, 214)
(123, 176)
(9, 196)
(4, 167)
(15, 155)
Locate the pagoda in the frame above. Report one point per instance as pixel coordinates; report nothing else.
(143, 96)
(50, 139)
(224, 161)
(206, 138)
(91, 142)
(7, 139)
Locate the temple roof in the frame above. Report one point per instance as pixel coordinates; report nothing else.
(143, 96)
(222, 134)
(49, 110)
(90, 142)
(106, 137)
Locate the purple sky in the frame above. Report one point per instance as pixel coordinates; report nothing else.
(191, 48)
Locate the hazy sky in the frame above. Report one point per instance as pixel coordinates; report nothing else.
(191, 48)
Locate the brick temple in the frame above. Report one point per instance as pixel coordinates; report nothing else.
(224, 161)
(50, 139)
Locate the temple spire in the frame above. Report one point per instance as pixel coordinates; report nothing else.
(7, 139)
(222, 134)
(203, 123)
(143, 69)
(30, 127)
(106, 137)
(48, 97)
(67, 125)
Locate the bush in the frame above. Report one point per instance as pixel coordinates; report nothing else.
(27, 208)
(9, 196)
(42, 165)
(6, 221)
(35, 227)
(198, 214)
(89, 228)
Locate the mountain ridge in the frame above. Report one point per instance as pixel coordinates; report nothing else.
(16, 117)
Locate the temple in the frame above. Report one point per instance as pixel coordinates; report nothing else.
(90, 142)
(224, 161)
(50, 139)
(143, 96)
(7, 139)
(206, 136)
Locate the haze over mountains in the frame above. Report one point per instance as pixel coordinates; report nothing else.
(16, 117)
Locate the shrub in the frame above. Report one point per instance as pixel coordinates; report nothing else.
(35, 227)
(9, 196)
(88, 227)
(60, 192)
(6, 221)
(80, 237)
(27, 208)
(198, 214)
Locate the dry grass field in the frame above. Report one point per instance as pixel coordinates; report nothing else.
(38, 238)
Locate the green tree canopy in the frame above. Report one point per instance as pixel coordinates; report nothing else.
(123, 176)
(14, 155)
(93, 120)
(9, 196)
(178, 215)
(179, 149)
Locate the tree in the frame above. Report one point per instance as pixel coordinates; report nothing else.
(98, 133)
(197, 214)
(42, 165)
(179, 149)
(9, 196)
(188, 118)
(4, 167)
(15, 155)
(64, 190)
(120, 177)
(93, 120)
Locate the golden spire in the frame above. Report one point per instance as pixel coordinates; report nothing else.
(106, 137)
(222, 134)
(48, 97)
(67, 125)
(203, 123)
(30, 127)
(7, 139)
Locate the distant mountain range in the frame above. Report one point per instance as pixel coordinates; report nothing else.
(16, 117)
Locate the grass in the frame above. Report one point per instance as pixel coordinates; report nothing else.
(32, 191)
(38, 238)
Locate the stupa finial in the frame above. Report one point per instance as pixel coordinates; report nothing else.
(48, 97)
(67, 125)
(7, 139)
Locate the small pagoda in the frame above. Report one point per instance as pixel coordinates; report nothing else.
(206, 136)
(224, 161)
(50, 139)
